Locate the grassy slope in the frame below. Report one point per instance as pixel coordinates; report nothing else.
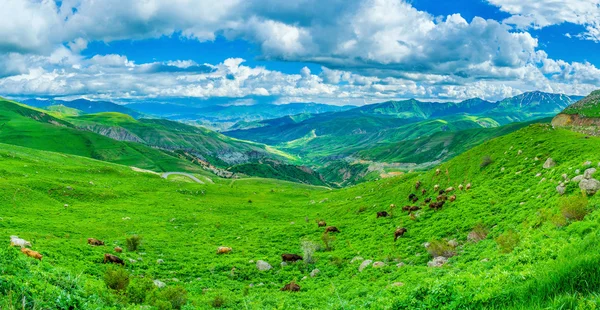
(36, 129)
(549, 267)
(587, 107)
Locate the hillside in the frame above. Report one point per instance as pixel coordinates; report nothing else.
(516, 242)
(583, 116)
(84, 105)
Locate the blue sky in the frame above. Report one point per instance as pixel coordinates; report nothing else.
(339, 52)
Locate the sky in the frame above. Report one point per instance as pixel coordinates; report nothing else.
(328, 51)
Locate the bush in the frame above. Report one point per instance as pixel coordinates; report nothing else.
(574, 208)
(486, 161)
(175, 295)
(440, 248)
(478, 233)
(308, 249)
(218, 302)
(327, 241)
(138, 289)
(116, 278)
(508, 241)
(133, 243)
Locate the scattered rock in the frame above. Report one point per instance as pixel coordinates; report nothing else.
(175, 280)
(69, 188)
(453, 243)
(590, 186)
(356, 259)
(519, 152)
(262, 265)
(304, 278)
(358, 197)
(160, 261)
(565, 176)
(66, 205)
(577, 179)
(437, 262)
(398, 284)
(549, 163)
(131, 260)
(314, 273)
(364, 265)
(159, 284)
(561, 189)
(587, 163)
(588, 173)
(542, 180)
(292, 223)
(378, 264)
(400, 265)
(251, 261)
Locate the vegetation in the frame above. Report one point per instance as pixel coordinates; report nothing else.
(133, 243)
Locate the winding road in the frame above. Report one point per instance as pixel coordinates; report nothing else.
(195, 179)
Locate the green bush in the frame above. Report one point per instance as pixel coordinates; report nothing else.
(508, 241)
(133, 243)
(440, 248)
(478, 233)
(218, 301)
(116, 278)
(308, 249)
(328, 241)
(574, 208)
(138, 289)
(175, 295)
(486, 161)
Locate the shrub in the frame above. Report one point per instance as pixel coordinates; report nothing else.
(133, 243)
(574, 208)
(218, 301)
(308, 249)
(176, 295)
(138, 289)
(361, 209)
(116, 278)
(508, 241)
(478, 233)
(440, 248)
(328, 240)
(486, 161)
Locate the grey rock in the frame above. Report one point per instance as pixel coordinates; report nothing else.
(587, 163)
(397, 284)
(577, 179)
(283, 264)
(588, 173)
(378, 264)
(561, 189)
(549, 163)
(262, 265)
(577, 171)
(159, 284)
(314, 273)
(426, 244)
(356, 259)
(364, 265)
(590, 186)
(437, 262)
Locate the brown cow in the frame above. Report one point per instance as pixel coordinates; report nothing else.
(423, 192)
(290, 257)
(406, 208)
(452, 198)
(414, 208)
(399, 233)
(382, 214)
(332, 229)
(109, 258)
(292, 287)
(94, 242)
(436, 205)
(428, 200)
(412, 197)
(468, 186)
(449, 189)
(118, 249)
(417, 184)
(441, 198)
(32, 253)
(224, 250)
(322, 224)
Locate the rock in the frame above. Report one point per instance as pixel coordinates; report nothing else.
(175, 280)
(542, 180)
(502, 169)
(283, 264)
(131, 260)
(262, 265)
(66, 205)
(437, 262)
(519, 152)
(314, 273)
(590, 186)
(364, 265)
(561, 189)
(549, 163)
(356, 259)
(358, 197)
(304, 278)
(538, 175)
(159, 284)
(397, 284)
(400, 265)
(587, 163)
(588, 173)
(292, 223)
(485, 260)
(536, 159)
(578, 178)
(565, 176)
(160, 261)
(453, 243)
(378, 264)
(426, 244)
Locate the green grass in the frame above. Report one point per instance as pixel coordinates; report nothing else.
(183, 223)
(587, 107)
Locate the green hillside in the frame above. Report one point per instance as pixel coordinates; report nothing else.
(528, 248)
(587, 107)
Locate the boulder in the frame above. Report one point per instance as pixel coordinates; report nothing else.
(577, 179)
(378, 264)
(159, 284)
(561, 189)
(364, 265)
(437, 262)
(356, 259)
(588, 173)
(262, 265)
(314, 273)
(397, 284)
(590, 186)
(549, 163)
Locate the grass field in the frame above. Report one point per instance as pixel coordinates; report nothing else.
(534, 256)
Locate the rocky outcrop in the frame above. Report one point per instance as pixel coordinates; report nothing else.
(116, 133)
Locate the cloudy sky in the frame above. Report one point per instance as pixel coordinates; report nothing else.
(331, 51)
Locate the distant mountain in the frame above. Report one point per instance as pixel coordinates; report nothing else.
(537, 102)
(84, 105)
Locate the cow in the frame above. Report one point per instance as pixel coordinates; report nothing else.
(223, 250)
(109, 258)
(441, 192)
(382, 214)
(468, 186)
(436, 205)
(399, 233)
(118, 249)
(290, 257)
(94, 242)
(437, 171)
(412, 197)
(449, 189)
(32, 253)
(417, 184)
(423, 192)
(406, 208)
(428, 200)
(414, 208)
(292, 287)
(452, 198)
(436, 188)
(441, 198)
(16, 241)
(322, 223)
(461, 187)
(332, 229)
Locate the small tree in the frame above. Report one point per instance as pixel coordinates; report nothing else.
(327, 241)
(133, 243)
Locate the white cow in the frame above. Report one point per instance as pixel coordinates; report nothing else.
(16, 241)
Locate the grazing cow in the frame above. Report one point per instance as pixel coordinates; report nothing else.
(428, 200)
(406, 208)
(224, 250)
(436, 188)
(414, 208)
(415, 199)
(322, 224)
(452, 198)
(437, 171)
(418, 184)
(449, 189)
(290, 257)
(95, 242)
(118, 249)
(423, 192)
(399, 233)
(332, 229)
(441, 198)
(461, 187)
(411, 197)
(16, 241)
(32, 253)
(292, 287)
(436, 205)
(109, 258)
(382, 214)
(468, 186)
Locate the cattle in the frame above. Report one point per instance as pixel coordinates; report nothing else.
(436, 205)
(16, 241)
(461, 187)
(449, 189)
(423, 192)
(414, 208)
(118, 249)
(32, 253)
(452, 198)
(441, 192)
(412, 197)
(399, 233)
(332, 229)
(437, 171)
(224, 250)
(382, 214)
(109, 258)
(436, 188)
(322, 224)
(292, 287)
(290, 257)
(428, 200)
(94, 242)
(417, 184)
(468, 186)
(406, 208)
(441, 198)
